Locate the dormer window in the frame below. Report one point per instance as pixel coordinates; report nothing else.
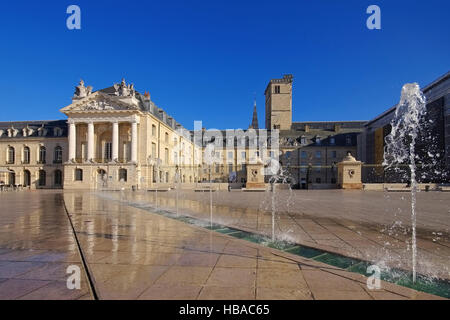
(348, 140)
(42, 132)
(57, 132)
(318, 141)
(332, 141)
(303, 140)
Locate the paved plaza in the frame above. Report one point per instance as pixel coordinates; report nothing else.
(131, 253)
(368, 225)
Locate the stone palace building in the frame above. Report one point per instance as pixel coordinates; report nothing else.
(117, 138)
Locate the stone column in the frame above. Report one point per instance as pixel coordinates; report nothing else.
(134, 142)
(115, 141)
(72, 141)
(90, 138)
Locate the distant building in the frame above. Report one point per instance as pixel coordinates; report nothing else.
(310, 150)
(435, 138)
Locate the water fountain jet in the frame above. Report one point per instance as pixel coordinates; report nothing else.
(401, 144)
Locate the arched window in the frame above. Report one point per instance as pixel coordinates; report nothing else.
(57, 178)
(122, 175)
(58, 155)
(26, 155)
(78, 175)
(11, 155)
(42, 154)
(42, 178)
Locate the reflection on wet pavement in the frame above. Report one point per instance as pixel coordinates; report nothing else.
(344, 223)
(134, 254)
(36, 247)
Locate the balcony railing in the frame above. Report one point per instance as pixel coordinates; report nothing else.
(100, 160)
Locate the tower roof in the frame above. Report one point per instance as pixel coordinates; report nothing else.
(254, 124)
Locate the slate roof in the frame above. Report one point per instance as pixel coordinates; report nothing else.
(38, 128)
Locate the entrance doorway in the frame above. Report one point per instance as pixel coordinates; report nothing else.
(101, 178)
(26, 178)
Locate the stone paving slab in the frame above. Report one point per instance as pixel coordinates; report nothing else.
(36, 247)
(367, 225)
(134, 254)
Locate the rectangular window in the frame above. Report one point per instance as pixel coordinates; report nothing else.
(317, 167)
(166, 155)
(108, 151)
(303, 140)
(333, 154)
(243, 155)
(154, 155)
(318, 154)
(230, 155)
(304, 154)
(277, 89)
(332, 141)
(153, 130)
(303, 167)
(166, 139)
(78, 175)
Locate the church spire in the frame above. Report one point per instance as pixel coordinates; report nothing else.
(254, 124)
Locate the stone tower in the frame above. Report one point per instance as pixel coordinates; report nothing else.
(279, 103)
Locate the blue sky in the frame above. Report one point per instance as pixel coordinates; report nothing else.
(206, 60)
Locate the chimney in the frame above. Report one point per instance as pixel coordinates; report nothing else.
(147, 101)
(171, 122)
(162, 115)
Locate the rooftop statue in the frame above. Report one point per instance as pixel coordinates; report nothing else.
(81, 91)
(124, 90)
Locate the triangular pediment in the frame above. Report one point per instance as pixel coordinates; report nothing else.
(99, 102)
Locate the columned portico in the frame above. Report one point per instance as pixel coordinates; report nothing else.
(118, 127)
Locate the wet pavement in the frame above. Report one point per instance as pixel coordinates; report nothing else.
(37, 246)
(134, 254)
(369, 225)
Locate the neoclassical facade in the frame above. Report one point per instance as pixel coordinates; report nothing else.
(118, 138)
